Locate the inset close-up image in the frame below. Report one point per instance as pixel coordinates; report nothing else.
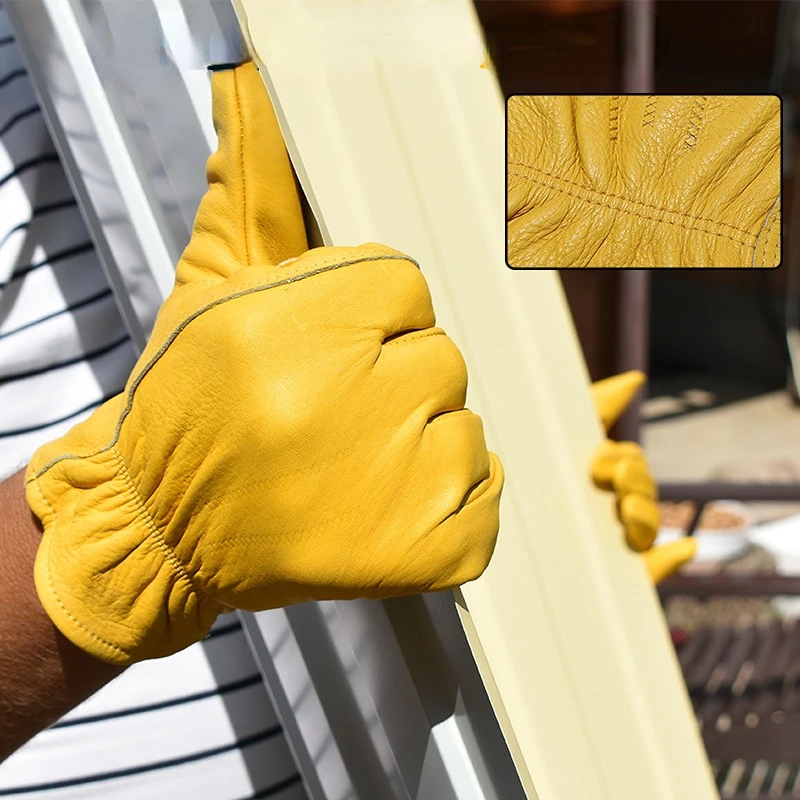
(643, 181)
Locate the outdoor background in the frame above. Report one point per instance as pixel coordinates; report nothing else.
(718, 346)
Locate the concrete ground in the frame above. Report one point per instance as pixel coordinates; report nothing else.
(701, 427)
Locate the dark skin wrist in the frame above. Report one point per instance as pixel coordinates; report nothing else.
(42, 674)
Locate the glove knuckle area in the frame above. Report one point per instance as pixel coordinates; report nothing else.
(372, 286)
(392, 518)
(424, 371)
(641, 518)
(457, 547)
(453, 454)
(608, 457)
(632, 476)
(446, 516)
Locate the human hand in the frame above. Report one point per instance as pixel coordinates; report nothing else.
(295, 429)
(622, 468)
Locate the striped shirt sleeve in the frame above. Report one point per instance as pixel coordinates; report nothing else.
(198, 724)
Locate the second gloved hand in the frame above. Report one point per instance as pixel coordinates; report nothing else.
(295, 429)
(621, 467)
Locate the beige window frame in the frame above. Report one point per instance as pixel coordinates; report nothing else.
(395, 123)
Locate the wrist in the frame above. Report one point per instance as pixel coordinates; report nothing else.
(42, 673)
(103, 572)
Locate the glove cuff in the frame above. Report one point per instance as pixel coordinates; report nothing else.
(103, 572)
(555, 223)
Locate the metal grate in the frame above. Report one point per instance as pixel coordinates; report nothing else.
(744, 683)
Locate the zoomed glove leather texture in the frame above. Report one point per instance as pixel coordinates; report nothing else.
(643, 181)
(295, 429)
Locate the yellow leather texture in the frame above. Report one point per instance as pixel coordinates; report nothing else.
(295, 429)
(622, 468)
(643, 181)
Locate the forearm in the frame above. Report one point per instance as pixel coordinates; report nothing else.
(42, 674)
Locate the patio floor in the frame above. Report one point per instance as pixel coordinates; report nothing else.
(717, 430)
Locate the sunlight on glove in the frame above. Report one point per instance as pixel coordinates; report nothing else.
(295, 429)
(621, 467)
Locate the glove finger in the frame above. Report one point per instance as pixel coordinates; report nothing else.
(632, 476)
(606, 459)
(366, 292)
(457, 549)
(251, 213)
(641, 519)
(613, 395)
(423, 373)
(452, 460)
(661, 562)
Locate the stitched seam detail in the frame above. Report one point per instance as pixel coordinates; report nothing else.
(775, 228)
(628, 206)
(156, 534)
(613, 119)
(695, 122)
(175, 333)
(412, 337)
(766, 253)
(54, 592)
(766, 231)
(649, 116)
(241, 167)
(770, 249)
(270, 482)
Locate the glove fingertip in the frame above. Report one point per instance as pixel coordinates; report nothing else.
(613, 395)
(662, 562)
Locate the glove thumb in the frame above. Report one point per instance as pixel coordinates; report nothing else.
(251, 213)
(613, 395)
(661, 562)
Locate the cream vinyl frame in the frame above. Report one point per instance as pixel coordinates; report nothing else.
(395, 124)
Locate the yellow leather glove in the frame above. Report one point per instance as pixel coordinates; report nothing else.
(622, 467)
(295, 429)
(644, 181)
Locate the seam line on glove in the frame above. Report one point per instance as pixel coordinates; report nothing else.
(596, 198)
(772, 243)
(649, 115)
(170, 554)
(766, 232)
(698, 109)
(175, 333)
(413, 336)
(240, 117)
(613, 119)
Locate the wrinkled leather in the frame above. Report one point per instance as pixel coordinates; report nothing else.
(643, 181)
(622, 468)
(295, 429)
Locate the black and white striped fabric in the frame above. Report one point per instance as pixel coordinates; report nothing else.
(196, 725)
